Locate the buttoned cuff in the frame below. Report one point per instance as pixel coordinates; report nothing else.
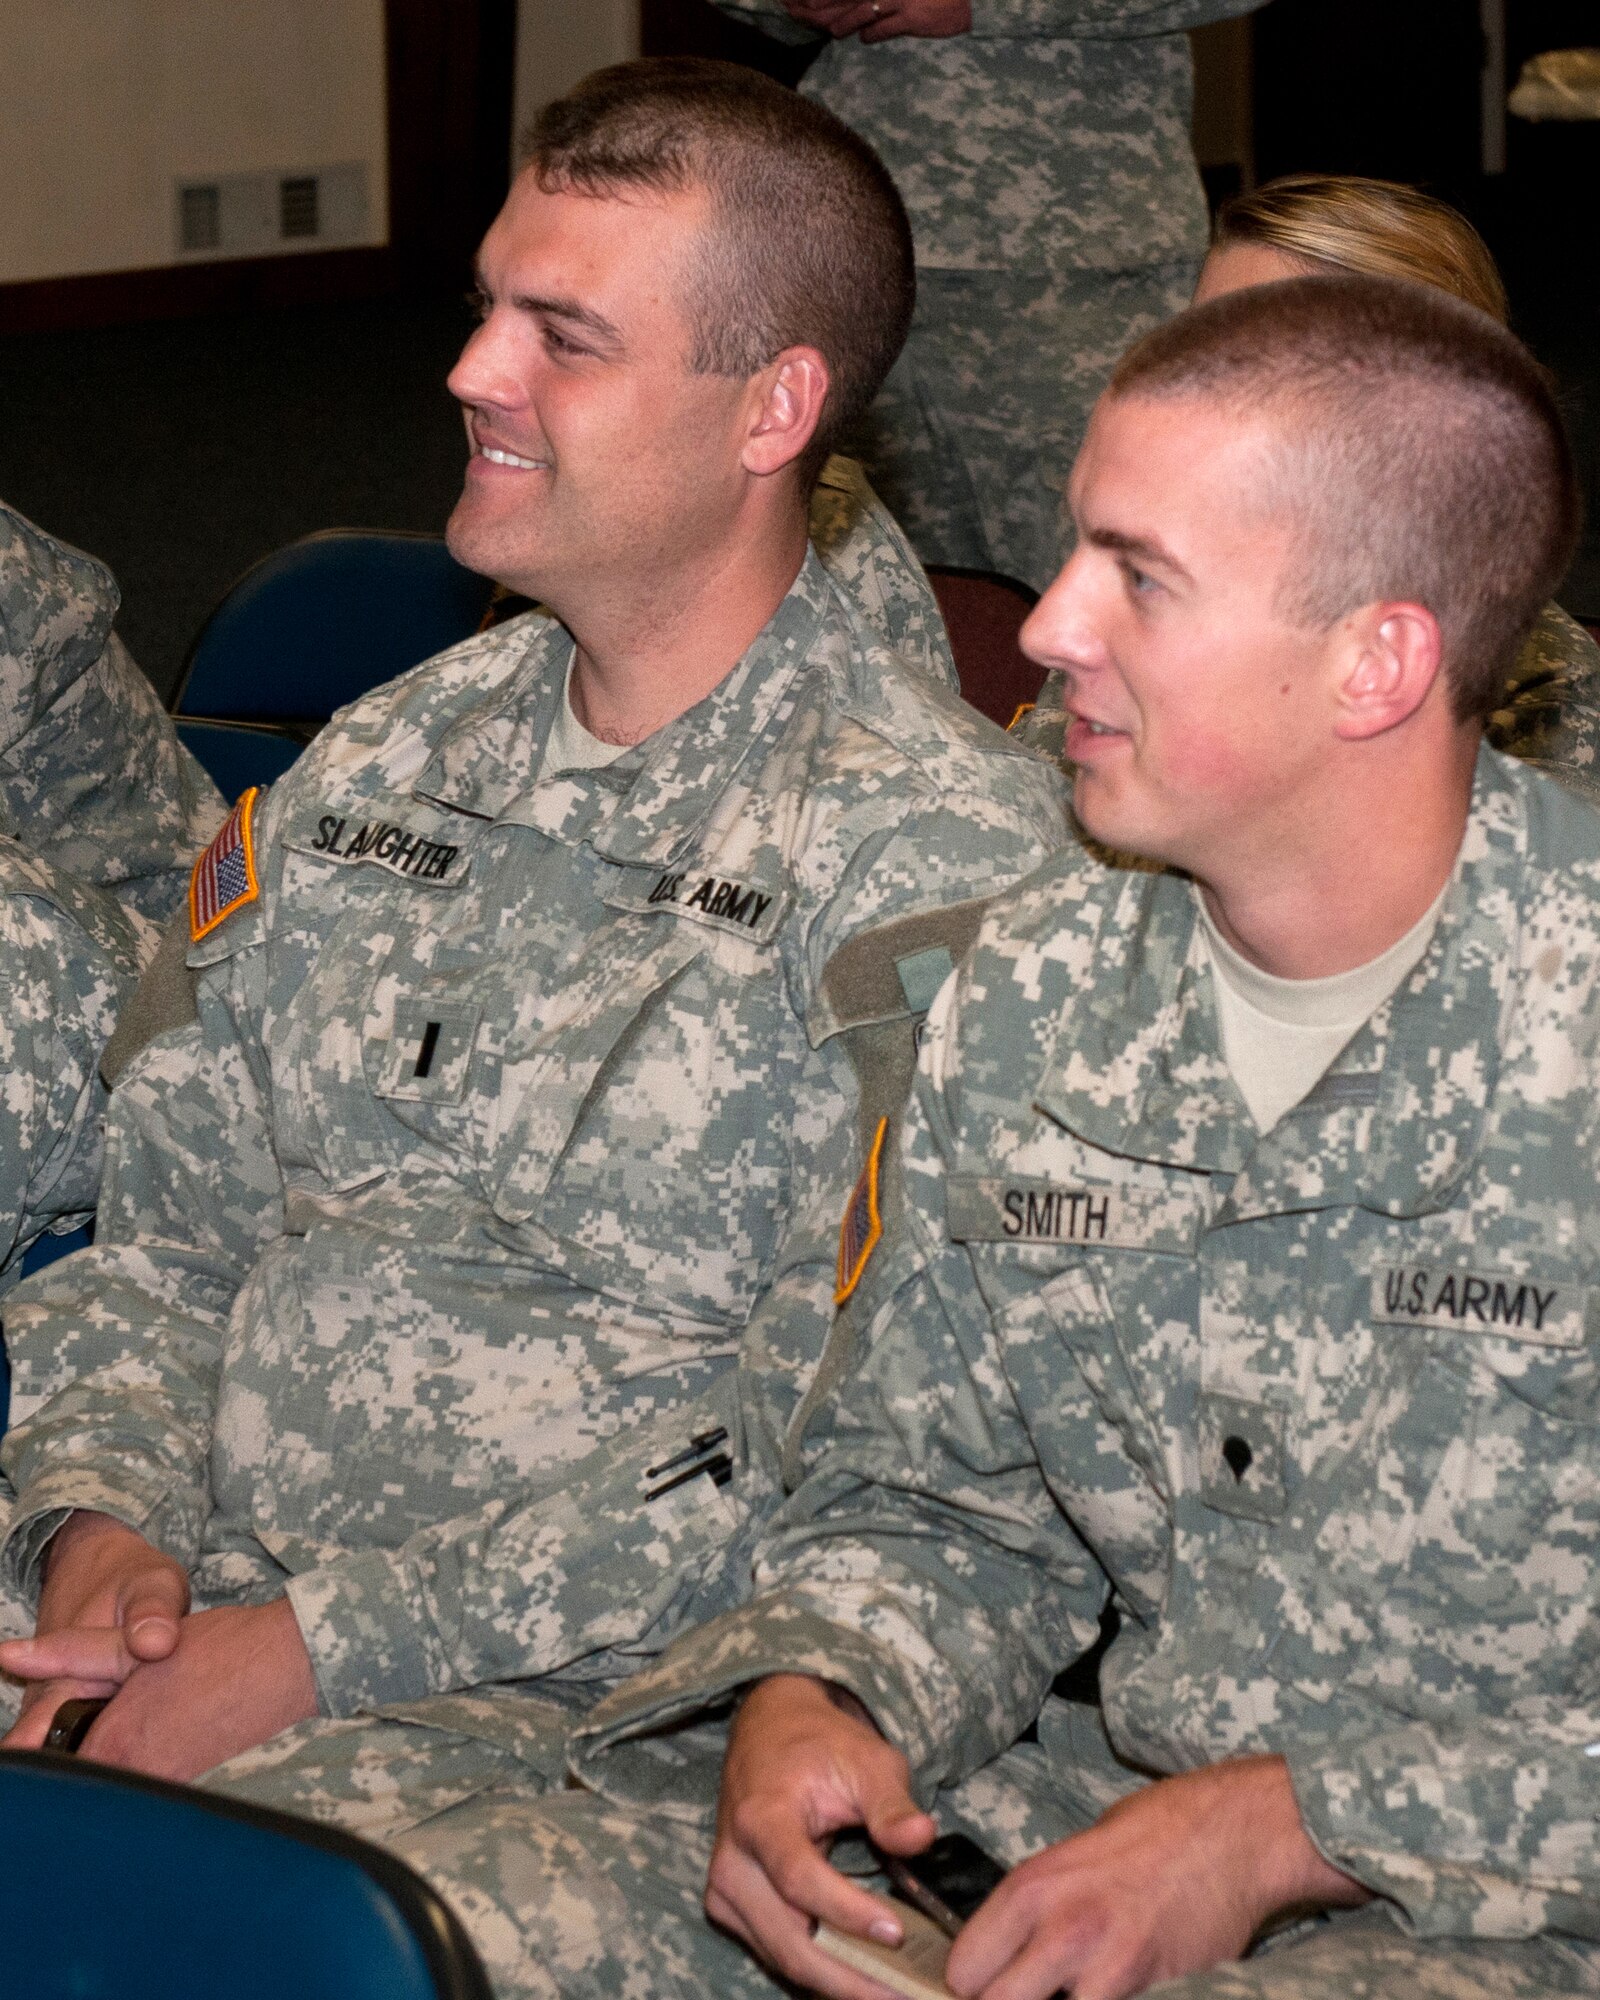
(45, 1503)
(366, 1626)
(1387, 1812)
(616, 1750)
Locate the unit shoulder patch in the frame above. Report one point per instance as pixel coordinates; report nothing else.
(863, 1221)
(224, 877)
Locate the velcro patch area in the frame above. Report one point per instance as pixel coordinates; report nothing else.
(224, 877)
(863, 1223)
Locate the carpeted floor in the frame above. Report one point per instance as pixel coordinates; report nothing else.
(183, 451)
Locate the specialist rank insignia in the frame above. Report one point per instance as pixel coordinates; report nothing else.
(862, 1224)
(224, 877)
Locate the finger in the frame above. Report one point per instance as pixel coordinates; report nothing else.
(884, 1806)
(1050, 1964)
(151, 1613)
(76, 1652)
(887, 28)
(806, 1883)
(859, 19)
(32, 1726)
(781, 1936)
(1013, 1949)
(898, 1824)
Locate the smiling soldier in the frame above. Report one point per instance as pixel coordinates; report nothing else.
(542, 1015)
(1238, 1268)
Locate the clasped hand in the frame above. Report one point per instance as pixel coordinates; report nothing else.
(1174, 1879)
(186, 1689)
(934, 20)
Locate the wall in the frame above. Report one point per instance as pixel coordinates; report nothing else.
(559, 41)
(105, 103)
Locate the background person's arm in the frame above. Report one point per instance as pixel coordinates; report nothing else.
(64, 984)
(135, 1325)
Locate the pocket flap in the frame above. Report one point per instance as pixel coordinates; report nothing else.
(549, 1087)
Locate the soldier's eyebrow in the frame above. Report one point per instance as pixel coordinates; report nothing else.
(1137, 548)
(558, 306)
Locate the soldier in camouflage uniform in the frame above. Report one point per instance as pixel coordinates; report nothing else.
(1301, 223)
(1308, 1397)
(408, 1348)
(93, 779)
(68, 959)
(1043, 150)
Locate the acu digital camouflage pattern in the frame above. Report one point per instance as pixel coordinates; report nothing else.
(864, 549)
(1551, 713)
(1046, 164)
(92, 776)
(68, 959)
(425, 1258)
(1550, 716)
(1315, 1409)
(973, 435)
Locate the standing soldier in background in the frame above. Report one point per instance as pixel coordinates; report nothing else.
(1042, 149)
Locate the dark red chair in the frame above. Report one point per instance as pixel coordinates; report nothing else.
(983, 613)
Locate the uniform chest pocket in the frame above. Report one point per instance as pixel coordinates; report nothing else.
(641, 1139)
(555, 1069)
(1532, 1333)
(429, 1052)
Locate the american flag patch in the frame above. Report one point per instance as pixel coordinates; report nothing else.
(225, 875)
(862, 1224)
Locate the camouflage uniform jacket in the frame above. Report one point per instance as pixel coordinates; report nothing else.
(92, 777)
(1053, 137)
(865, 551)
(1316, 1408)
(68, 958)
(434, 1241)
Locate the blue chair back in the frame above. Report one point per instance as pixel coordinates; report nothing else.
(237, 755)
(121, 1888)
(323, 621)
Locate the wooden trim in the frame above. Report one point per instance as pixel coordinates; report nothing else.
(171, 291)
(451, 72)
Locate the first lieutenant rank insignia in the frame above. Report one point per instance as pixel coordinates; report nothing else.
(224, 877)
(862, 1224)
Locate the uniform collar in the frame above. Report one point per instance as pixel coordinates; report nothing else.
(648, 806)
(1396, 1122)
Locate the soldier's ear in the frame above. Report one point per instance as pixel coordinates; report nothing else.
(786, 404)
(1391, 660)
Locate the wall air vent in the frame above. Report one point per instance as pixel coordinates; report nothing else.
(199, 216)
(297, 206)
(274, 212)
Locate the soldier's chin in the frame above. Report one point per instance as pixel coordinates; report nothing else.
(1117, 834)
(474, 542)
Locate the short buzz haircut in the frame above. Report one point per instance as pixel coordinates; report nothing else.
(808, 242)
(1416, 446)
